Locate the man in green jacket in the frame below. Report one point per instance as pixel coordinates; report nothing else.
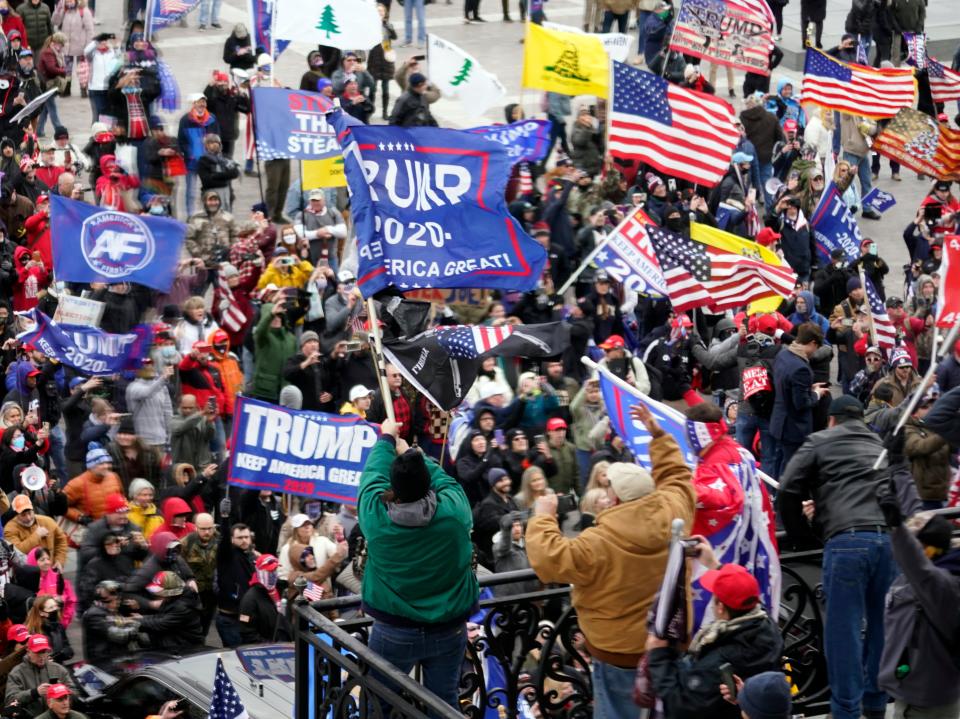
(37, 21)
(274, 344)
(419, 584)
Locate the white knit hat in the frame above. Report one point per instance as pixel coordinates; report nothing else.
(629, 481)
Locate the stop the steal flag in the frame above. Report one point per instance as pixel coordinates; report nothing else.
(429, 210)
(94, 244)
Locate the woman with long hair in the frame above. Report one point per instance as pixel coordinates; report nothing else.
(598, 477)
(44, 618)
(75, 20)
(52, 68)
(53, 582)
(533, 484)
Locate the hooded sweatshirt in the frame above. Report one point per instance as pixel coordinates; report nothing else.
(171, 508)
(231, 375)
(55, 584)
(30, 280)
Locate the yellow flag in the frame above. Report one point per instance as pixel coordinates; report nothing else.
(565, 62)
(748, 248)
(324, 173)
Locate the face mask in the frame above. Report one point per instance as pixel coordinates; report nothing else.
(4, 10)
(156, 210)
(266, 578)
(838, 265)
(873, 250)
(18, 443)
(674, 224)
(169, 352)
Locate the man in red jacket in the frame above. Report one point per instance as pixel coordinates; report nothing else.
(38, 232)
(200, 378)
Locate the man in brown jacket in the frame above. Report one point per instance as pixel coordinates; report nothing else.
(617, 566)
(29, 530)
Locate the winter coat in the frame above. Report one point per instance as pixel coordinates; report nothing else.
(273, 346)
(584, 152)
(26, 539)
(486, 523)
(30, 281)
(24, 679)
(412, 110)
(510, 556)
(38, 22)
(190, 136)
(77, 25)
(88, 494)
(860, 17)
(419, 570)
(102, 66)
(227, 106)
(794, 399)
(816, 10)
(907, 15)
(919, 619)
(811, 315)
(190, 439)
(260, 518)
(231, 57)
(377, 64)
(616, 567)
(147, 518)
(208, 233)
(177, 625)
(216, 172)
(929, 456)
(260, 619)
(763, 131)
(12, 21)
(687, 683)
(851, 139)
(149, 402)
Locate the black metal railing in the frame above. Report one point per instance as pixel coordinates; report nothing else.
(526, 647)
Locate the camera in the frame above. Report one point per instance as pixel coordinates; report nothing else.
(690, 547)
(566, 503)
(287, 261)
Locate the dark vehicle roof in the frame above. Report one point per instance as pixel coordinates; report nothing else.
(263, 675)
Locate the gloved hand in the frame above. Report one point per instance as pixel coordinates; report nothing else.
(84, 519)
(225, 506)
(890, 507)
(893, 443)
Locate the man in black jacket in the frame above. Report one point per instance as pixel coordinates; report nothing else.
(305, 371)
(486, 515)
(235, 558)
(217, 170)
(226, 104)
(412, 108)
(742, 635)
(106, 632)
(177, 623)
(834, 469)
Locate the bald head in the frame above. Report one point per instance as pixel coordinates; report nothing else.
(205, 526)
(188, 404)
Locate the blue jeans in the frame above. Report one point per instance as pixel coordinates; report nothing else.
(49, 110)
(209, 12)
(642, 16)
(613, 691)
(621, 18)
(766, 172)
(58, 444)
(98, 103)
(191, 182)
(439, 652)
(863, 171)
(747, 427)
(858, 568)
(408, 8)
(229, 630)
(583, 462)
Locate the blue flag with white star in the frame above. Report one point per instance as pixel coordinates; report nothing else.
(429, 210)
(225, 702)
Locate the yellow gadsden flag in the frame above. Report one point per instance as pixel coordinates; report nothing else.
(565, 62)
(324, 173)
(739, 246)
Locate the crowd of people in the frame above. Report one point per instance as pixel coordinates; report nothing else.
(133, 532)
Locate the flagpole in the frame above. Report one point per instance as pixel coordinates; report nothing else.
(583, 265)
(918, 394)
(148, 21)
(378, 355)
(873, 329)
(631, 390)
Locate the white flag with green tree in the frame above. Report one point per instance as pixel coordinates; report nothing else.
(344, 24)
(459, 76)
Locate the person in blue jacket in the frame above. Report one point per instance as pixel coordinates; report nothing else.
(194, 126)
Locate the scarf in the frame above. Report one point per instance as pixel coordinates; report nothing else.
(256, 579)
(413, 514)
(798, 351)
(200, 118)
(137, 127)
(718, 629)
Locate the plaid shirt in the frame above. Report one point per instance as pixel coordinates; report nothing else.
(403, 413)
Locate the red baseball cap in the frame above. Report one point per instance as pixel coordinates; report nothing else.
(38, 643)
(116, 502)
(201, 346)
(767, 236)
(613, 342)
(556, 423)
(767, 324)
(733, 586)
(34, 372)
(266, 562)
(58, 691)
(18, 633)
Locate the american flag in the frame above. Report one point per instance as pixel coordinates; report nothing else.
(469, 341)
(736, 33)
(313, 592)
(231, 317)
(856, 89)
(700, 275)
(882, 325)
(686, 134)
(225, 702)
(171, 6)
(163, 13)
(920, 143)
(745, 537)
(944, 82)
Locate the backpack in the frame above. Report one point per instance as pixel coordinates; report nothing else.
(756, 378)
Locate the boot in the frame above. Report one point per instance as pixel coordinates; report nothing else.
(66, 89)
(83, 92)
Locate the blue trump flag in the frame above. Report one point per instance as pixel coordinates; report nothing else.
(293, 124)
(524, 140)
(312, 454)
(879, 200)
(834, 226)
(93, 244)
(262, 13)
(87, 349)
(429, 210)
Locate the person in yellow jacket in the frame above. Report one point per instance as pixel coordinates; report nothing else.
(285, 270)
(616, 567)
(226, 363)
(143, 512)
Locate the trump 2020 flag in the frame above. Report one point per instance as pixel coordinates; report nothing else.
(87, 349)
(736, 33)
(343, 24)
(733, 508)
(524, 140)
(628, 256)
(834, 226)
(292, 124)
(429, 210)
(459, 76)
(93, 244)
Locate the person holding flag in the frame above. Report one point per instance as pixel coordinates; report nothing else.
(617, 565)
